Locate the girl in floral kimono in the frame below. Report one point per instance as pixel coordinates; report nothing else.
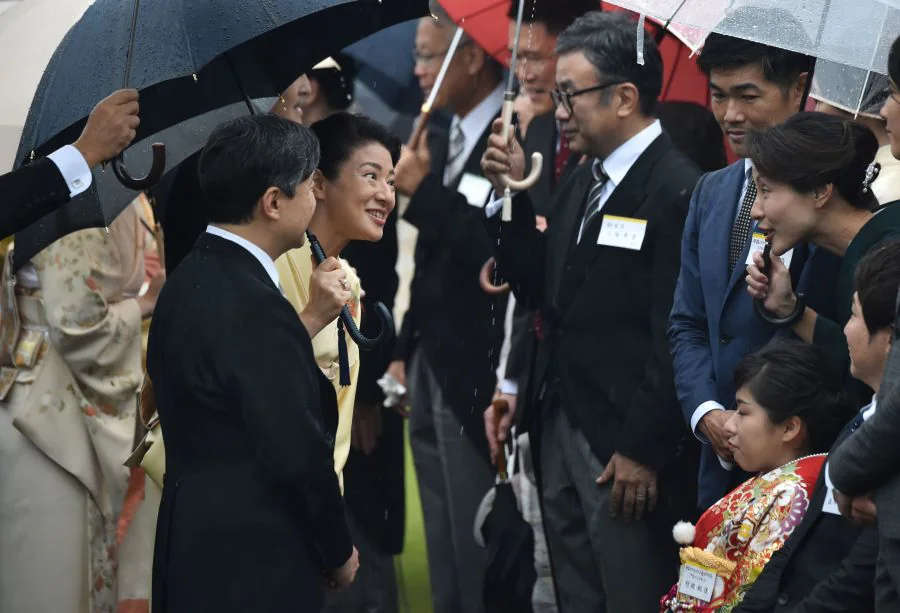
(67, 416)
(790, 407)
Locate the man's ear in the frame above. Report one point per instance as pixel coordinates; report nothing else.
(269, 205)
(318, 184)
(798, 89)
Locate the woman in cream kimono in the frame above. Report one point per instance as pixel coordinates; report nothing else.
(67, 421)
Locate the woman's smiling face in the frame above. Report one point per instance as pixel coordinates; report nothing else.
(361, 197)
(785, 215)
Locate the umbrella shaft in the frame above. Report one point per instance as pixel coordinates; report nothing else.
(451, 51)
(134, 16)
(515, 50)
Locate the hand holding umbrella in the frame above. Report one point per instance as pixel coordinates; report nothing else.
(110, 128)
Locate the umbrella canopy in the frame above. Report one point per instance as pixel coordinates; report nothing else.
(185, 67)
(839, 86)
(386, 66)
(855, 33)
(35, 26)
(509, 571)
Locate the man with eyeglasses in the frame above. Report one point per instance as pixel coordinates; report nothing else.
(451, 335)
(615, 463)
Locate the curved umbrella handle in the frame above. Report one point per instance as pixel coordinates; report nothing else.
(485, 279)
(387, 322)
(537, 160)
(156, 170)
(759, 305)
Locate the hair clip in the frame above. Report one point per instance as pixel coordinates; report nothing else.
(872, 172)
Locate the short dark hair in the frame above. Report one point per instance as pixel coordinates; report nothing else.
(811, 150)
(337, 85)
(246, 156)
(876, 282)
(609, 42)
(341, 134)
(790, 378)
(779, 66)
(894, 62)
(556, 16)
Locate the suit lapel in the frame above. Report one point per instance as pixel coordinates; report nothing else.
(564, 230)
(437, 145)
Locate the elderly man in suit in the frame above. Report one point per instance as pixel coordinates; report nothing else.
(712, 324)
(869, 461)
(614, 459)
(43, 186)
(251, 517)
(451, 335)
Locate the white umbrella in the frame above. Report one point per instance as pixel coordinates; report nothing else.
(30, 31)
(855, 33)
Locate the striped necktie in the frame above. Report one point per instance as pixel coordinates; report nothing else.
(455, 158)
(594, 196)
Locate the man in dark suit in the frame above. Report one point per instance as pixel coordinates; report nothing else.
(615, 462)
(828, 564)
(251, 517)
(451, 334)
(41, 187)
(536, 72)
(712, 324)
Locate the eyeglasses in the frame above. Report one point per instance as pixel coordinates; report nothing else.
(565, 98)
(430, 58)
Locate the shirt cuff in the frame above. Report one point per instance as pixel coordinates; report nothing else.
(495, 203)
(509, 386)
(74, 169)
(703, 409)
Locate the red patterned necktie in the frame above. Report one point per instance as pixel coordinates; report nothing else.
(562, 156)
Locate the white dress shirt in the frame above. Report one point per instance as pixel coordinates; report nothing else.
(475, 123)
(73, 168)
(253, 248)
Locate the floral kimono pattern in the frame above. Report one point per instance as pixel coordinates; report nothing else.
(748, 526)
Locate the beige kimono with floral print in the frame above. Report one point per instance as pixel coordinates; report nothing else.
(67, 425)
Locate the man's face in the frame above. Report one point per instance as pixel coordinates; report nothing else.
(868, 352)
(591, 122)
(744, 100)
(891, 114)
(536, 67)
(291, 103)
(432, 44)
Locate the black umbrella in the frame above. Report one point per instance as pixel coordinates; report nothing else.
(509, 575)
(189, 57)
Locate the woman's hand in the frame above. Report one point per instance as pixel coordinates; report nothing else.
(329, 291)
(775, 289)
(147, 302)
(343, 577)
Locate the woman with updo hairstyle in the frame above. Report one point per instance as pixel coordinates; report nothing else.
(790, 406)
(813, 176)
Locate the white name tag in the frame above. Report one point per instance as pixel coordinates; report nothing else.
(623, 232)
(476, 189)
(697, 582)
(758, 244)
(830, 505)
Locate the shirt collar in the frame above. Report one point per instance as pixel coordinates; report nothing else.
(619, 162)
(748, 168)
(254, 250)
(477, 121)
(869, 411)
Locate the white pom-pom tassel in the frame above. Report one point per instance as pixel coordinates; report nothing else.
(684, 533)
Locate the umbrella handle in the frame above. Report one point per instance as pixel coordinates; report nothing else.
(156, 170)
(537, 160)
(387, 322)
(485, 279)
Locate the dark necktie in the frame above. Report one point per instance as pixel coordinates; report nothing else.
(594, 196)
(562, 156)
(740, 232)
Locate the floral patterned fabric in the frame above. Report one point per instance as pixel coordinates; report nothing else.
(748, 526)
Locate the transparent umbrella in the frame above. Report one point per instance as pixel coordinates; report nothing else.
(851, 89)
(855, 33)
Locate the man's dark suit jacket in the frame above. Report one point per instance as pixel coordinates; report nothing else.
(29, 193)
(827, 564)
(251, 516)
(451, 320)
(604, 358)
(373, 484)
